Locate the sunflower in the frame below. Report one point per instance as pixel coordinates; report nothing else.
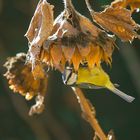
(75, 40)
(21, 78)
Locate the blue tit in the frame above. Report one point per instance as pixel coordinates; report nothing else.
(94, 78)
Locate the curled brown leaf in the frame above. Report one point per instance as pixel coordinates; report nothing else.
(39, 29)
(117, 20)
(134, 4)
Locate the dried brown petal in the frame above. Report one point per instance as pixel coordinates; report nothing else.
(68, 52)
(56, 54)
(94, 56)
(38, 71)
(44, 56)
(76, 59)
(84, 51)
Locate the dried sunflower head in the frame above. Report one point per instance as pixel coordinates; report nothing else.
(76, 40)
(21, 79)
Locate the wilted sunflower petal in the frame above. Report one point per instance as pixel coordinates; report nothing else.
(38, 71)
(68, 52)
(84, 50)
(76, 59)
(94, 56)
(56, 54)
(107, 58)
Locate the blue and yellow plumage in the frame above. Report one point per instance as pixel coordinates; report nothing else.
(92, 79)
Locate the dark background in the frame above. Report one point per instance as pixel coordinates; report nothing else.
(61, 119)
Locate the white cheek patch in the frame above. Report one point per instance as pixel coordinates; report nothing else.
(65, 76)
(72, 79)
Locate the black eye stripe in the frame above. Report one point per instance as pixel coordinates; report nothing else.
(68, 77)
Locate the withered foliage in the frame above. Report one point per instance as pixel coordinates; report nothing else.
(73, 36)
(118, 20)
(134, 4)
(40, 28)
(21, 78)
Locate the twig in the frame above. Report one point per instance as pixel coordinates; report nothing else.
(89, 7)
(89, 113)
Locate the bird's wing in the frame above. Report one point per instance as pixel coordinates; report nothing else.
(88, 86)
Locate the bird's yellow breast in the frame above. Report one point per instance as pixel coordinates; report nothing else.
(95, 76)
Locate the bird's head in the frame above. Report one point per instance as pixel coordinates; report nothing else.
(69, 76)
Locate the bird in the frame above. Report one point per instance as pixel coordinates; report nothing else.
(94, 78)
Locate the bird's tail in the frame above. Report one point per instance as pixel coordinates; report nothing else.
(122, 95)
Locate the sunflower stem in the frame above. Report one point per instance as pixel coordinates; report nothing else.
(89, 7)
(89, 113)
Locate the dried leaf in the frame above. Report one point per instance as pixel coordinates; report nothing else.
(39, 30)
(38, 107)
(117, 20)
(134, 4)
(41, 24)
(34, 24)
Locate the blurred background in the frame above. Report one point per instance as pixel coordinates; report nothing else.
(62, 119)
